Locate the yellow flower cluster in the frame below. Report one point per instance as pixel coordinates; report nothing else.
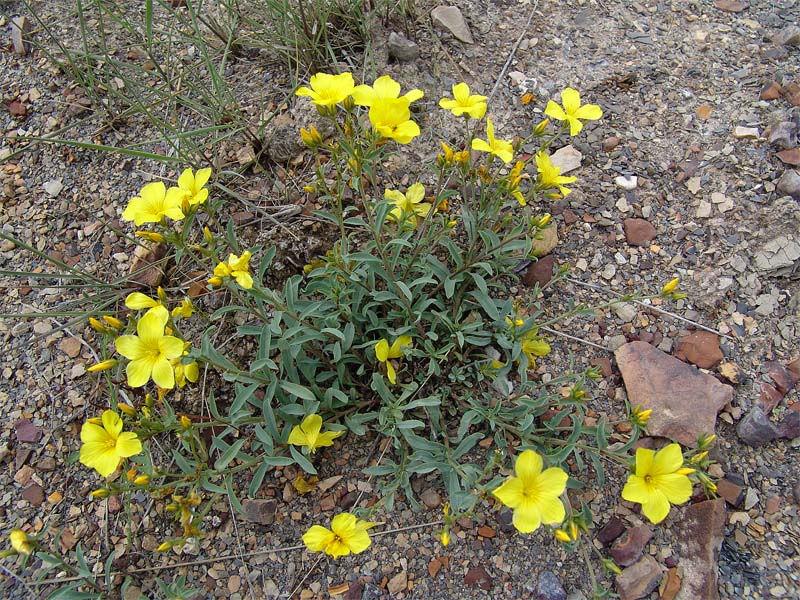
(155, 202)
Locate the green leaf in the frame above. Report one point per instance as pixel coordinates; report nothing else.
(298, 390)
(467, 444)
(302, 461)
(229, 454)
(278, 461)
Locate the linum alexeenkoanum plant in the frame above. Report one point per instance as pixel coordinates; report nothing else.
(403, 329)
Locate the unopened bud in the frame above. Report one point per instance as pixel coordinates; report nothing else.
(103, 366)
(100, 494)
(127, 409)
(113, 321)
(151, 235)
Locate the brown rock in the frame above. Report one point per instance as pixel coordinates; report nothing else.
(20, 27)
(70, 346)
(260, 511)
(478, 577)
(34, 494)
(147, 267)
(769, 398)
(639, 579)
(434, 567)
(611, 531)
(790, 157)
(732, 493)
(27, 431)
(545, 241)
(700, 348)
(486, 531)
(771, 91)
(638, 232)
(671, 585)
(685, 402)
(731, 5)
(731, 371)
(792, 92)
(540, 271)
(604, 364)
(610, 143)
(398, 583)
(430, 498)
(629, 547)
(783, 378)
(47, 464)
(699, 538)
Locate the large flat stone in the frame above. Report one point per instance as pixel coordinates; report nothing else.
(685, 401)
(699, 538)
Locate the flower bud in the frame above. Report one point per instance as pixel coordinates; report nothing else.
(186, 422)
(164, 547)
(103, 366)
(113, 322)
(142, 480)
(97, 325)
(562, 536)
(151, 235)
(540, 127)
(207, 235)
(543, 220)
(127, 409)
(100, 494)
(444, 537)
(215, 281)
(671, 286)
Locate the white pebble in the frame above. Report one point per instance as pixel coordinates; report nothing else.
(626, 182)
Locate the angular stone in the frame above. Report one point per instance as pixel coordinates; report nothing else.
(790, 156)
(260, 511)
(782, 135)
(639, 579)
(699, 538)
(478, 577)
(567, 159)
(611, 531)
(789, 184)
(20, 27)
(700, 348)
(732, 493)
(638, 232)
(401, 48)
(451, 19)
(771, 91)
(672, 584)
(27, 431)
(610, 143)
(755, 428)
(549, 587)
(430, 498)
(629, 547)
(789, 426)
(685, 402)
(548, 241)
(788, 36)
(34, 494)
(540, 271)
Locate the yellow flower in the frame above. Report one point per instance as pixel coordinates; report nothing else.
(533, 494)
(309, 434)
(671, 286)
(346, 535)
(237, 267)
(383, 352)
(328, 90)
(186, 422)
(20, 542)
(391, 118)
(186, 309)
(153, 204)
(532, 346)
(463, 104)
(444, 537)
(640, 417)
(192, 186)
(139, 301)
(311, 137)
(408, 207)
(659, 480)
(384, 88)
(303, 485)
(573, 112)
(103, 366)
(515, 176)
(550, 175)
(150, 352)
(499, 148)
(105, 446)
(183, 373)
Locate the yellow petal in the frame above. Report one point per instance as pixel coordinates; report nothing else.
(391, 374)
(668, 460)
(656, 508)
(93, 433)
(644, 461)
(526, 519)
(510, 492)
(555, 111)
(382, 350)
(551, 510)
(528, 467)
(137, 301)
(571, 100)
(112, 423)
(297, 437)
(128, 444)
(552, 482)
(163, 374)
(636, 490)
(317, 538)
(676, 488)
(138, 372)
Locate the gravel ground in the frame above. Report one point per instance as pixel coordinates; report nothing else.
(675, 79)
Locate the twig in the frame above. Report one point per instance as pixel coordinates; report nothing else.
(600, 288)
(513, 51)
(573, 338)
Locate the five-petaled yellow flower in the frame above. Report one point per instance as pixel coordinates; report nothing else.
(184, 309)
(139, 301)
(463, 103)
(20, 542)
(328, 90)
(384, 88)
(499, 148)
(408, 207)
(154, 203)
(309, 434)
(391, 118)
(105, 444)
(550, 175)
(384, 352)
(346, 535)
(573, 112)
(192, 186)
(659, 480)
(150, 352)
(237, 267)
(533, 494)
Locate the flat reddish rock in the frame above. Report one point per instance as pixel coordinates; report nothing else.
(771, 91)
(700, 348)
(685, 401)
(540, 272)
(638, 232)
(790, 157)
(699, 536)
